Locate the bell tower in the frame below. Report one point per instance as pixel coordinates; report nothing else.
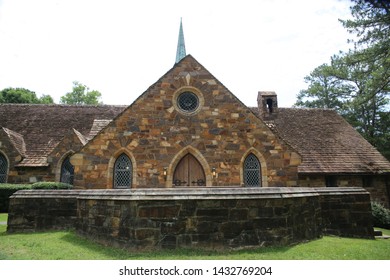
(267, 102)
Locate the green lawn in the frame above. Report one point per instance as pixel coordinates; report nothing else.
(3, 217)
(64, 245)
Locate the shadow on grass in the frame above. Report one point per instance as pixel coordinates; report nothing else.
(172, 254)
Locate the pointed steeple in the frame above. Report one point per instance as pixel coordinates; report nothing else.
(181, 47)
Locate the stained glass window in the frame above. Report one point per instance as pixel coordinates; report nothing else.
(67, 172)
(3, 168)
(252, 171)
(123, 171)
(188, 102)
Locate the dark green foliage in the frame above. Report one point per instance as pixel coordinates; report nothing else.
(51, 186)
(81, 95)
(6, 190)
(357, 83)
(22, 95)
(381, 215)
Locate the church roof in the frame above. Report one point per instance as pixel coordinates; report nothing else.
(327, 143)
(16, 139)
(42, 127)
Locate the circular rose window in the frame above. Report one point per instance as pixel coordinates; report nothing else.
(188, 102)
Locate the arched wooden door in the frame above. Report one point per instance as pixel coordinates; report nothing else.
(189, 172)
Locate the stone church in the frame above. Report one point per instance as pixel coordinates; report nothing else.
(187, 130)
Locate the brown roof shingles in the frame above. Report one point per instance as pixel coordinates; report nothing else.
(43, 126)
(17, 140)
(327, 143)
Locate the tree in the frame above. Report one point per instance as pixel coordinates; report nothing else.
(371, 25)
(357, 82)
(369, 64)
(325, 89)
(22, 95)
(81, 95)
(46, 99)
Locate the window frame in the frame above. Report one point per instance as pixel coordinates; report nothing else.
(3, 167)
(65, 162)
(127, 171)
(255, 171)
(189, 90)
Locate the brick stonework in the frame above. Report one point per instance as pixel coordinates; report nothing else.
(69, 144)
(378, 186)
(38, 210)
(155, 135)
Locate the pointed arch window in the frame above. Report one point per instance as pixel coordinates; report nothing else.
(252, 171)
(123, 171)
(67, 171)
(3, 169)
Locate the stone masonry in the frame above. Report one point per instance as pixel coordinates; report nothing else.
(155, 135)
(193, 217)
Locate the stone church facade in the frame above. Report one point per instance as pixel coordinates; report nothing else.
(187, 130)
(187, 164)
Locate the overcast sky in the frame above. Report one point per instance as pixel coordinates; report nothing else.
(121, 47)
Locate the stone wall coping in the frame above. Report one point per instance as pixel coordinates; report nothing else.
(188, 193)
(46, 194)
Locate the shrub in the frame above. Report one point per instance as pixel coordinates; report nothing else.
(6, 190)
(381, 215)
(51, 186)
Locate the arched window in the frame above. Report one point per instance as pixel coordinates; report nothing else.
(123, 171)
(252, 171)
(67, 171)
(3, 168)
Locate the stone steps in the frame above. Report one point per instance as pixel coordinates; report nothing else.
(379, 235)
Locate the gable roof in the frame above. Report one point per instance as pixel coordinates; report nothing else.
(327, 143)
(16, 140)
(43, 126)
(182, 64)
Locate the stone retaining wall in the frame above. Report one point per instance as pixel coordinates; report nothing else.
(344, 213)
(206, 217)
(38, 210)
(199, 218)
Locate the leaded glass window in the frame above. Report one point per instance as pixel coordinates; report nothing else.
(3, 169)
(67, 171)
(188, 102)
(123, 170)
(252, 171)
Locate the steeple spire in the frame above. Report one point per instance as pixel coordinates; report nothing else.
(181, 47)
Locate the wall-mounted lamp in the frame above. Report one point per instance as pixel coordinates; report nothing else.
(214, 172)
(165, 172)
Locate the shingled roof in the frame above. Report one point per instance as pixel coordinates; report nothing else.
(42, 127)
(327, 143)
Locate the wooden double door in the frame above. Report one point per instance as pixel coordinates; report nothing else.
(189, 172)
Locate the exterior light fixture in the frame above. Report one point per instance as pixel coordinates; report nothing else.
(214, 172)
(165, 172)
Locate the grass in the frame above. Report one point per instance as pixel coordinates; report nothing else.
(3, 217)
(65, 245)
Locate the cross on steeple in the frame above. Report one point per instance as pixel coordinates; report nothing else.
(181, 47)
